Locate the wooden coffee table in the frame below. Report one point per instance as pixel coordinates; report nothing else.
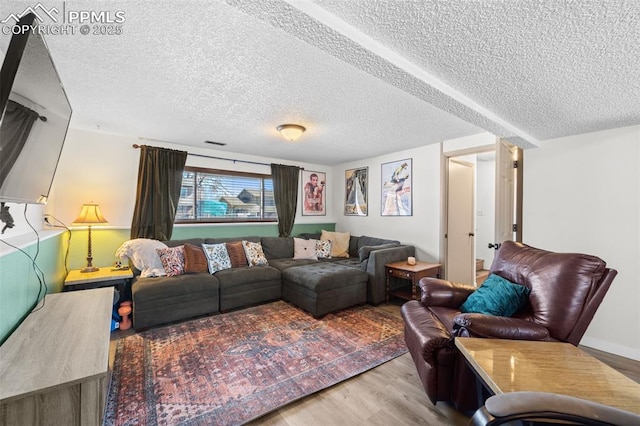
(522, 365)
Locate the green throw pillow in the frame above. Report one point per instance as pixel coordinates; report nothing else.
(496, 296)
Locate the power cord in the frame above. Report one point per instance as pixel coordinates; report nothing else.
(36, 269)
(63, 226)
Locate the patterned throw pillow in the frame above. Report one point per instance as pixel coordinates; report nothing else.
(194, 260)
(254, 253)
(172, 260)
(304, 249)
(217, 257)
(236, 254)
(323, 249)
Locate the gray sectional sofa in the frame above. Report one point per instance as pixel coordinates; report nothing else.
(318, 286)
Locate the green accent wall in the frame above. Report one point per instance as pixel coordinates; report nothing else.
(105, 242)
(270, 230)
(19, 285)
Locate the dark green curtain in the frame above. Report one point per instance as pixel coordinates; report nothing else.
(285, 194)
(14, 132)
(159, 183)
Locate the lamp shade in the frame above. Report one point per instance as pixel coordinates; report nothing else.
(291, 131)
(90, 215)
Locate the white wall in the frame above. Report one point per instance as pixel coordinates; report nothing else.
(582, 194)
(103, 168)
(422, 228)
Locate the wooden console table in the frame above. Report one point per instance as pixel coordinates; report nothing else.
(555, 367)
(53, 367)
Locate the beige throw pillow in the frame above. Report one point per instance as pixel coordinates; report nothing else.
(339, 242)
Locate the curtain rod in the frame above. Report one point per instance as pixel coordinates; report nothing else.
(219, 158)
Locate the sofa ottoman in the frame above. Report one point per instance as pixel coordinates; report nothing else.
(324, 287)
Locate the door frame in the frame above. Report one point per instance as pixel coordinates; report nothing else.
(444, 183)
(444, 193)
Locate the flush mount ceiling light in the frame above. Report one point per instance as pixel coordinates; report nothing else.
(291, 131)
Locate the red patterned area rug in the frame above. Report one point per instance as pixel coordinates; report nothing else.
(231, 368)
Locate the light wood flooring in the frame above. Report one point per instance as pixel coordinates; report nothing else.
(388, 394)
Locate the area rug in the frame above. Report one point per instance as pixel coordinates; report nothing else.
(231, 368)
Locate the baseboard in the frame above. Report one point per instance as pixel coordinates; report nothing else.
(612, 348)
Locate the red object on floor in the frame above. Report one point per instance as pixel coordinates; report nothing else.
(124, 311)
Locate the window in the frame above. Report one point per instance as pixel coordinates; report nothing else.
(224, 196)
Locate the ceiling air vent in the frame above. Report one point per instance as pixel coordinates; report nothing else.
(215, 143)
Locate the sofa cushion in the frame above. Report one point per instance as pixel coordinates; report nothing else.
(277, 247)
(353, 246)
(282, 264)
(365, 251)
(310, 236)
(217, 257)
(217, 240)
(194, 259)
(365, 240)
(339, 242)
(182, 287)
(254, 253)
(353, 262)
(246, 276)
(496, 296)
(172, 259)
(193, 241)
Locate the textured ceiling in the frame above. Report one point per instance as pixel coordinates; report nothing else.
(365, 77)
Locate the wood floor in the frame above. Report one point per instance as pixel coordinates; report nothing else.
(389, 394)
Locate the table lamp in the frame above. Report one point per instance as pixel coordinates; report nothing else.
(90, 215)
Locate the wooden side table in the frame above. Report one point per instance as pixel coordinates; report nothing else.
(105, 277)
(411, 273)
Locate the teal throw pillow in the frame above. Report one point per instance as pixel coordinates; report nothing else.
(496, 296)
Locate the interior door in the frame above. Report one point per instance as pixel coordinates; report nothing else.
(460, 222)
(506, 206)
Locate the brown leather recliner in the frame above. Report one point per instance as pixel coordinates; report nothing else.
(566, 290)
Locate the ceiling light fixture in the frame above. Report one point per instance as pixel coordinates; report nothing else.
(291, 131)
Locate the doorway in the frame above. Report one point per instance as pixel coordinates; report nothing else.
(491, 214)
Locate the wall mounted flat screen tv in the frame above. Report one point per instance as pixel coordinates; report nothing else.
(34, 117)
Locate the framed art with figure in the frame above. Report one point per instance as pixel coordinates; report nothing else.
(356, 180)
(313, 193)
(396, 197)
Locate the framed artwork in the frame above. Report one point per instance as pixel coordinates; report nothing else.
(313, 193)
(396, 197)
(355, 189)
